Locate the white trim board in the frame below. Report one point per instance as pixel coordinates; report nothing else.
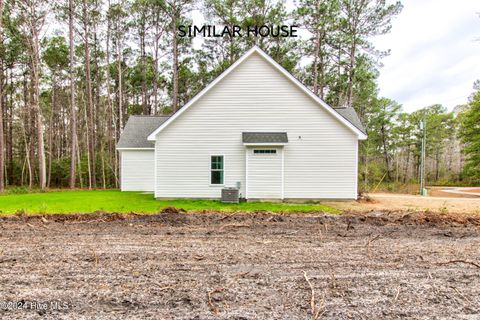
(120, 149)
(283, 172)
(265, 144)
(155, 172)
(246, 173)
(255, 49)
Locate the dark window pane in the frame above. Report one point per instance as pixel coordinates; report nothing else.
(217, 162)
(265, 151)
(220, 163)
(217, 177)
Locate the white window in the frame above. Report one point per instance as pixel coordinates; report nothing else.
(216, 169)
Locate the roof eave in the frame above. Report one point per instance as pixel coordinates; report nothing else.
(264, 144)
(134, 148)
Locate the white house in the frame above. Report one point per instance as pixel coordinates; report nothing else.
(256, 128)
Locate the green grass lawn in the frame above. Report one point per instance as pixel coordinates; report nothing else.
(116, 201)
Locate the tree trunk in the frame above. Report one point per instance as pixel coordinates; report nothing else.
(351, 73)
(407, 164)
(50, 130)
(144, 75)
(98, 110)
(79, 163)
(175, 58)
(90, 114)
(26, 125)
(36, 105)
(340, 94)
(2, 147)
(385, 153)
(102, 157)
(32, 125)
(9, 113)
(27, 160)
(87, 136)
(155, 67)
(73, 111)
(111, 123)
(315, 63)
(322, 69)
(120, 89)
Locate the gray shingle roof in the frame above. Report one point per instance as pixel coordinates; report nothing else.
(351, 116)
(137, 129)
(264, 137)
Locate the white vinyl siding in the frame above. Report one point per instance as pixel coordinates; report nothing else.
(319, 159)
(137, 170)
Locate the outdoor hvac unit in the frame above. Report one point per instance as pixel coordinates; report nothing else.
(230, 195)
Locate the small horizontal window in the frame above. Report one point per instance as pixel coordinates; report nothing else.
(264, 151)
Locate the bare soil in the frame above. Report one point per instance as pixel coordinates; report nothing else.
(377, 265)
(438, 201)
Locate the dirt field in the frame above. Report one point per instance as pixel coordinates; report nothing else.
(209, 266)
(440, 201)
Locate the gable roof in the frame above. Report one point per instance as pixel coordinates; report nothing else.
(361, 135)
(136, 131)
(264, 137)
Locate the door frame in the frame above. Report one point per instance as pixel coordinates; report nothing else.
(249, 149)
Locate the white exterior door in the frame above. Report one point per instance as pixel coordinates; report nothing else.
(264, 173)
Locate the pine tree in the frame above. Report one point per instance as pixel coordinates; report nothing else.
(470, 134)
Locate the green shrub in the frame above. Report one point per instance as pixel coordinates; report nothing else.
(17, 190)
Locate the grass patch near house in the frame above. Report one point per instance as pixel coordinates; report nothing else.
(124, 202)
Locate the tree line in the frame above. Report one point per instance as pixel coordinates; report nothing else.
(72, 71)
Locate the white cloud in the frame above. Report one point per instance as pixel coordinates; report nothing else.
(434, 56)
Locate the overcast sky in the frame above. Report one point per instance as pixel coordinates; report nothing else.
(435, 53)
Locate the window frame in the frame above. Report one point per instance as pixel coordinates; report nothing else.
(217, 170)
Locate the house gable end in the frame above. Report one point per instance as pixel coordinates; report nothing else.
(232, 70)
